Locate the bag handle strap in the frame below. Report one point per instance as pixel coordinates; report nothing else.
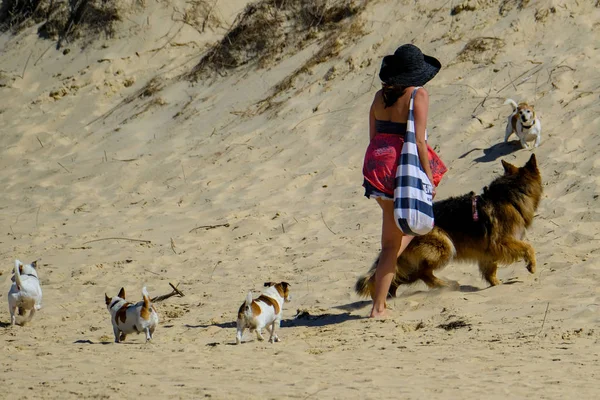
(411, 106)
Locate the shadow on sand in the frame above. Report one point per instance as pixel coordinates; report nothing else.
(302, 318)
(87, 341)
(496, 151)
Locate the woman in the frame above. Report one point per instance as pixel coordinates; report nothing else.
(401, 74)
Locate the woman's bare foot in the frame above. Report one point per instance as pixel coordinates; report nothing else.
(378, 312)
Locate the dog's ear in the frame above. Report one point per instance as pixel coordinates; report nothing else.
(269, 284)
(286, 290)
(532, 163)
(34, 264)
(122, 293)
(107, 299)
(509, 169)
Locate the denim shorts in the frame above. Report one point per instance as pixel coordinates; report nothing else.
(372, 193)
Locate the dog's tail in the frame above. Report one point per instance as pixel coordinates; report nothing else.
(248, 302)
(364, 284)
(18, 274)
(146, 296)
(512, 103)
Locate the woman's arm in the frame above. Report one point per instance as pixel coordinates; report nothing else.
(421, 109)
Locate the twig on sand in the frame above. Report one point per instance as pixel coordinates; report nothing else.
(126, 159)
(152, 272)
(37, 214)
(435, 13)
(214, 269)
(482, 102)
(45, 51)
(323, 113)
(544, 321)
(166, 296)
(38, 139)
(312, 394)
(176, 290)
(182, 170)
(207, 227)
(26, 63)
(173, 246)
(326, 224)
(118, 238)
(168, 41)
(64, 167)
(557, 67)
(535, 70)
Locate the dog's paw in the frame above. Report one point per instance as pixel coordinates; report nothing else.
(452, 285)
(494, 281)
(531, 267)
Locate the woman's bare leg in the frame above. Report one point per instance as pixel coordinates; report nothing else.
(391, 242)
(406, 239)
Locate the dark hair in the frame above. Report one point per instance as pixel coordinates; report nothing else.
(391, 93)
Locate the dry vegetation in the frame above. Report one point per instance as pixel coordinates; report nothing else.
(481, 50)
(200, 15)
(268, 29)
(61, 19)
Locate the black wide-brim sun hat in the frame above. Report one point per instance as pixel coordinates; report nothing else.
(408, 66)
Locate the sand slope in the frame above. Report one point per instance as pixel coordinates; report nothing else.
(219, 195)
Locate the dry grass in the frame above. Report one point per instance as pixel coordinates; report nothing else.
(200, 15)
(62, 19)
(481, 50)
(268, 29)
(16, 14)
(330, 49)
(507, 5)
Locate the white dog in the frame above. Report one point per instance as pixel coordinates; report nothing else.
(524, 123)
(25, 293)
(129, 318)
(264, 312)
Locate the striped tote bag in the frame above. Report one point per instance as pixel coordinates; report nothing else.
(413, 192)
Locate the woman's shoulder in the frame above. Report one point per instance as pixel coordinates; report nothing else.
(421, 95)
(377, 98)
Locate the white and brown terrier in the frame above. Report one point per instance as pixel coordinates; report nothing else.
(131, 318)
(524, 123)
(25, 293)
(264, 312)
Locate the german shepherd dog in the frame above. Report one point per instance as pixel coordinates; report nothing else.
(486, 229)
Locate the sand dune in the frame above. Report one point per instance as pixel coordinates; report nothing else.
(223, 178)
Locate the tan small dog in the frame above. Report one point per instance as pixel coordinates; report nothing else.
(524, 123)
(264, 312)
(129, 318)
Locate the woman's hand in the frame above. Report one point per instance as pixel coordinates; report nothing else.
(433, 188)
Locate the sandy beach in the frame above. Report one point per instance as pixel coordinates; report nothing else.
(148, 155)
